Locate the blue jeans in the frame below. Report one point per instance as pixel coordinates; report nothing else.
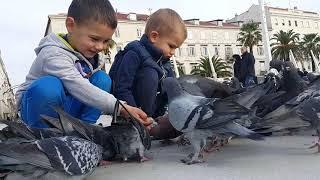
(249, 81)
(48, 91)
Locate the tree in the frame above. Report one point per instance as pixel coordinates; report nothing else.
(307, 43)
(250, 35)
(284, 42)
(222, 68)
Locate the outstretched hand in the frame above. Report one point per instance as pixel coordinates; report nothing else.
(137, 113)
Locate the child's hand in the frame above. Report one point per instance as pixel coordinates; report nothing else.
(137, 113)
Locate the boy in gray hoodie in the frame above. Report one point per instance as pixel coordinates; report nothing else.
(54, 79)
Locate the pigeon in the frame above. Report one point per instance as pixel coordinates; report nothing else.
(252, 94)
(130, 145)
(291, 85)
(68, 154)
(199, 117)
(125, 139)
(310, 111)
(18, 130)
(201, 86)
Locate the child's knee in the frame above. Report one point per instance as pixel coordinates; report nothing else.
(47, 88)
(102, 80)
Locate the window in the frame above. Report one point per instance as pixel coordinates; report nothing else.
(228, 52)
(139, 33)
(301, 22)
(308, 25)
(262, 66)
(178, 52)
(189, 34)
(289, 22)
(191, 50)
(214, 35)
(283, 22)
(316, 25)
(260, 50)
(216, 51)
(204, 50)
(276, 22)
(296, 23)
(117, 33)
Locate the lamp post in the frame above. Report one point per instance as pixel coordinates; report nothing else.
(175, 66)
(214, 74)
(265, 36)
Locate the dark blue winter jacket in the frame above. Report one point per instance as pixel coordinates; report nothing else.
(137, 73)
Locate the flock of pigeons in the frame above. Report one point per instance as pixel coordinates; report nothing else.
(204, 110)
(70, 146)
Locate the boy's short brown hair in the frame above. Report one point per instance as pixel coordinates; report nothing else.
(165, 22)
(93, 10)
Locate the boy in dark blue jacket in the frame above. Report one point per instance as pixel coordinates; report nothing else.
(138, 69)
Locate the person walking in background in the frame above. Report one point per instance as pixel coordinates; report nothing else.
(247, 67)
(237, 66)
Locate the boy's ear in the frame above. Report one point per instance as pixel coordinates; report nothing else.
(153, 36)
(70, 24)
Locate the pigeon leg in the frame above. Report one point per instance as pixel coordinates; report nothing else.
(198, 147)
(212, 145)
(104, 163)
(227, 140)
(143, 158)
(316, 144)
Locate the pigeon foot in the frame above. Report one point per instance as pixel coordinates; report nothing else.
(316, 145)
(104, 163)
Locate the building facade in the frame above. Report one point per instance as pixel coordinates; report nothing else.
(205, 38)
(7, 100)
(302, 22)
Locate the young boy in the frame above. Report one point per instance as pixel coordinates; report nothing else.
(54, 79)
(138, 69)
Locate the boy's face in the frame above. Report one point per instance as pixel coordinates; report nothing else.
(167, 43)
(88, 38)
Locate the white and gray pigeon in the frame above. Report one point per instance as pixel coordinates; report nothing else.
(71, 155)
(199, 117)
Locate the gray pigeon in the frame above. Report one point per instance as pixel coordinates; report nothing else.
(71, 155)
(201, 86)
(18, 129)
(198, 117)
(130, 145)
(125, 139)
(310, 111)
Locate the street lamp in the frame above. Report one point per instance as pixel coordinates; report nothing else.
(265, 36)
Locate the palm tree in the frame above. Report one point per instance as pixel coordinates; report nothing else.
(250, 35)
(307, 43)
(285, 41)
(221, 67)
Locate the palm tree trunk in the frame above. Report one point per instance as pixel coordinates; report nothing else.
(251, 49)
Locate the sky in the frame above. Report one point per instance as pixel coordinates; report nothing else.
(23, 23)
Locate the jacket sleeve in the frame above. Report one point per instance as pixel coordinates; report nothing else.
(125, 76)
(62, 66)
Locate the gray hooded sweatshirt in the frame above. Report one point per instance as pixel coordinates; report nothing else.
(56, 57)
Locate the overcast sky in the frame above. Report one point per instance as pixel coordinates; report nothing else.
(23, 23)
